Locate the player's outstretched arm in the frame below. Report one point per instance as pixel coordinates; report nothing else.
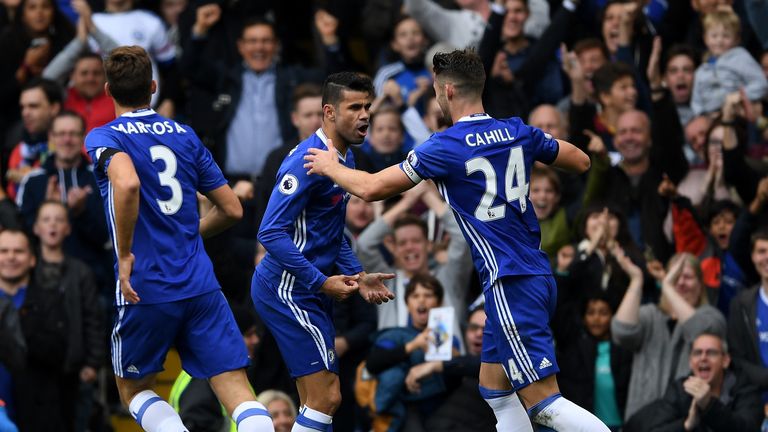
(226, 211)
(125, 184)
(370, 187)
(571, 159)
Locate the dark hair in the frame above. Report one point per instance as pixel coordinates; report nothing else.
(680, 50)
(427, 281)
(739, 127)
(547, 173)
(410, 219)
(463, 68)
(129, 75)
(51, 89)
(305, 90)
(22, 233)
(591, 43)
(257, 21)
(593, 296)
(51, 202)
(761, 234)
(88, 55)
(337, 83)
(721, 206)
(72, 114)
(604, 77)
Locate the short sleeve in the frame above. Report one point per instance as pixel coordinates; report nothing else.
(101, 146)
(545, 147)
(209, 174)
(425, 162)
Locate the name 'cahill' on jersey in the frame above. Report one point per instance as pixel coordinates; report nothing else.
(482, 168)
(172, 164)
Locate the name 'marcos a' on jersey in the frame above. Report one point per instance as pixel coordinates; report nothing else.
(172, 165)
(482, 168)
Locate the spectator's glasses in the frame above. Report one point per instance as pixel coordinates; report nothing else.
(62, 134)
(711, 353)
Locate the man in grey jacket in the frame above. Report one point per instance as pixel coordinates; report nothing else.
(410, 246)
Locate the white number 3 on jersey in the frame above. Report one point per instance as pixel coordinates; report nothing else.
(167, 179)
(515, 173)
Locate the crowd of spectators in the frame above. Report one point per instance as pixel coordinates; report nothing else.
(660, 251)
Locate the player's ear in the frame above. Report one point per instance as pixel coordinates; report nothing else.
(329, 112)
(154, 86)
(106, 89)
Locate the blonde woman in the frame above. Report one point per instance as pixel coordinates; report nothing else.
(660, 335)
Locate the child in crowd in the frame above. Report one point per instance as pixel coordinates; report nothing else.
(727, 67)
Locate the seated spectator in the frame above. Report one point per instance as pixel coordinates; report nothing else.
(748, 321)
(594, 371)
(397, 350)
(660, 335)
(66, 176)
(194, 399)
(728, 67)
(28, 44)
(463, 407)
(410, 247)
(86, 96)
(281, 408)
(713, 398)
(40, 102)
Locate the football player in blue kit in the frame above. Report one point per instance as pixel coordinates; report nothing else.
(149, 169)
(482, 167)
(303, 233)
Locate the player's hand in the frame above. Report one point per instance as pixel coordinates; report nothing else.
(125, 268)
(372, 287)
(419, 372)
(340, 287)
(320, 161)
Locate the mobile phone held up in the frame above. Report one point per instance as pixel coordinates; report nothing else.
(40, 41)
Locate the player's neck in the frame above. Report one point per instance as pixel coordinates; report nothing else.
(338, 142)
(120, 110)
(463, 109)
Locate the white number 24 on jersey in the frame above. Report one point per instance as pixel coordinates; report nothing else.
(515, 171)
(167, 179)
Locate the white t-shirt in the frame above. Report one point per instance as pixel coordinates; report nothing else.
(137, 27)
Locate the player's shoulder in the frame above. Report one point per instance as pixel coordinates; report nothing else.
(104, 136)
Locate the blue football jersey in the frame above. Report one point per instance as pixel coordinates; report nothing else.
(172, 165)
(482, 168)
(303, 226)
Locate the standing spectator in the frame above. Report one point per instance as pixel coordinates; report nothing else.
(410, 248)
(748, 321)
(267, 84)
(63, 323)
(728, 68)
(714, 398)
(28, 44)
(678, 73)
(660, 335)
(86, 96)
(40, 102)
(67, 177)
(594, 371)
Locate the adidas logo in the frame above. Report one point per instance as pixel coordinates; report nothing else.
(132, 369)
(545, 363)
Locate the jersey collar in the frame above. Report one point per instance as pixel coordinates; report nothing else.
(139, 113)
(475, 117)
(324, 139)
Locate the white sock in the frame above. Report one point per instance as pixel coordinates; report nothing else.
(510, 413)
(310, 420)
(252, 416)
(154, 414)
(560, 414)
